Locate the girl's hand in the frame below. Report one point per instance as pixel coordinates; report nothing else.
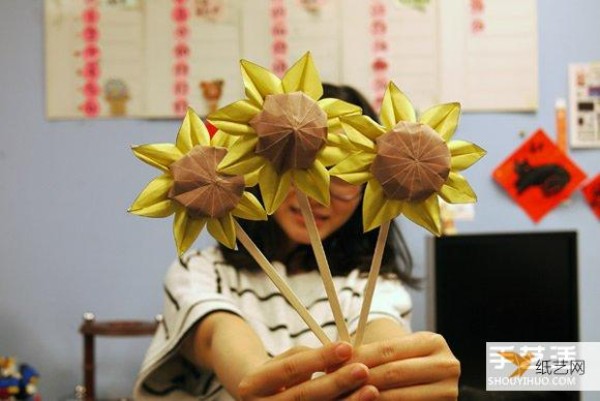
(287, 377)
(417, 366)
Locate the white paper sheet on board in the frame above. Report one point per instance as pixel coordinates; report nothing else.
(489, 58)
(94, 60)
(481, 53)
(584, 105)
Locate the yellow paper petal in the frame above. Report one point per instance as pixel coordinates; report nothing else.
(186, 230)
(365, 125)
(241, 159)
(335, 108)
(377, 208)
(223, 230)
(314, 182)
(356, 169)
(153, 201)
(456, 189)
(249, 208)
(244, 166)
(340, 140)
(464, 154)
(443, 118)
(234, 118)
(362, 131)
(251, 179)
(330, 155)
(337, 149)
(273, 187)
(396, 107)
(159, 155)
(259, 82)
(192, 132)
(222, 139)
(303, 76)
(425, 213)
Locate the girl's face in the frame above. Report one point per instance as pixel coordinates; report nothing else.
(344, 201)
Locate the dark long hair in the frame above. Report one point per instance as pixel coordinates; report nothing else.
(347, 248)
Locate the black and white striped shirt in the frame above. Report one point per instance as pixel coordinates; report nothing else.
(201, 282)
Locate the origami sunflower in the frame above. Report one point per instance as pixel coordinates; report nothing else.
(192, 189)
(407, 163)
(283, 130)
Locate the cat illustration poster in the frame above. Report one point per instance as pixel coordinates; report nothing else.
(538, 176)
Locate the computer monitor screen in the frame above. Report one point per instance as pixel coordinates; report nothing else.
(503, 287)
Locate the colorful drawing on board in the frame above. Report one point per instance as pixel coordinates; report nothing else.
(591, 193)
(211, 92)
(211, 10)
(538, 176)
(420, 5)
(116, 94)
(312, 6)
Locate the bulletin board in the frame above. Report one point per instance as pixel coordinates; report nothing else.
(154, 58)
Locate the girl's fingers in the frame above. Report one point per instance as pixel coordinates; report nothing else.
(294, 367)
(395, 349)
(365, 393)
(408, 363)
(331, 387)
(413, 371)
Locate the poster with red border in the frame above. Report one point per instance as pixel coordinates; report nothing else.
(538, 176)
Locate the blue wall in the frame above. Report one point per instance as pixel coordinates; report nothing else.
(67, 245)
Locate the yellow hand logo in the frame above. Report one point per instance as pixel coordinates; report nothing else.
(521, 361)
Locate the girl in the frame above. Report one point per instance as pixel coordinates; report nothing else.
(227, 333)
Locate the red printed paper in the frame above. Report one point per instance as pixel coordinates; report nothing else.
(379, 51)
(477, 8)
(279, 31)
(591, 193)
(90, 54)
(181, 53)
(538, 176)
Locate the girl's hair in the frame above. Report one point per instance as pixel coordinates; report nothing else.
(350, 95)
(347, 248)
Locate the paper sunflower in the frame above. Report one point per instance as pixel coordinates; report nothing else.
(283, 129)
(407, 163)
(192, 189)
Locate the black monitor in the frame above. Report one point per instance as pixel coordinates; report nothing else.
(518, 287)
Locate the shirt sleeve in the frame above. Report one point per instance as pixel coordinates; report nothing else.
(193, 288)
(391, 300)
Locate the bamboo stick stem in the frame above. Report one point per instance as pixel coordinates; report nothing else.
(371, 281)
(317, 246)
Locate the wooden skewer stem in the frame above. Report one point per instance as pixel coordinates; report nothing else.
(280, 283)
(371, 281)
(317, 246)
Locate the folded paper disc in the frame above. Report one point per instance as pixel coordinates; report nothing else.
(291, 130)
(412, 162)
(200, 189)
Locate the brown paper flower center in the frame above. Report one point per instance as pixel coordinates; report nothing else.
(291, 130)
(412, 162)
(200, 189)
